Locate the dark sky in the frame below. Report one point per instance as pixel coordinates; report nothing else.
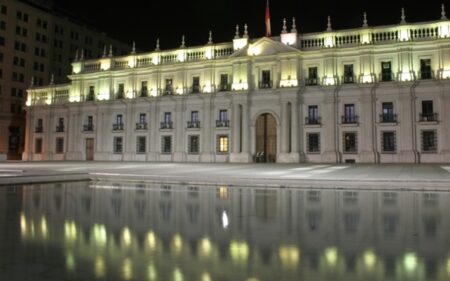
(143, 22)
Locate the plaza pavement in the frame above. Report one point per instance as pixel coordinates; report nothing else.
(397, 176)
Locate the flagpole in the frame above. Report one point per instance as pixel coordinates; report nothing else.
(267, 20)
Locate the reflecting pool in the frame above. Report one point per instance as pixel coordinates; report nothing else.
(124, 231)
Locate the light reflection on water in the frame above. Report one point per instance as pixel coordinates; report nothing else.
(97, 231)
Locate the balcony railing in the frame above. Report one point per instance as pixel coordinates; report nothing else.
(88, 128)
(387, 77)
(349, 119)
(266, 84)
(120, 95)
(313, 120)
(166, 125)
(193, 124)
(222, 123)
(90, 97)
(60, 129)
(143, 93)
(118, 127)
(348, 79)
(224, 87)
(141, 126)
(426, 74)
(388, 118)
(311, 82)
(195, 89)
(168, 91)
(39, 129)
(428, 117)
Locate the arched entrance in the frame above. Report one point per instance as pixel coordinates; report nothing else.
(266, 139)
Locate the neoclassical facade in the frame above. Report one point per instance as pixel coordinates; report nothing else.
(365, 95)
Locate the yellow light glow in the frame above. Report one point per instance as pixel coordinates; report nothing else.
(70, 262)
(406, 76)
(99, 235)
(404, 35)
(239, 44)
(155, 59)
(100, 267)
(181, 56)
(44, 229)
(151, 241)
(410, 261)
(127, 269)
(223, 144)
(76, 67)
(28, 103)
(328, 42)
(152, 273)
(23, 224)
(177, 244)
(104, 94)
(153, 92)
(446, 74)
(132, 62)
(209, 53)
(365, 38)
(105, 64)
(448, 266)
(254, 50)
(206, 277)
(177, 275)
(70, 231)
(444, 30)
(239, 86)
(367, 78)
(289, 39)
(288, 83)
(207, 88)
(329, 81)
(179, 91)
(252, 279)
(126, 236)
(331, 256)
(289, 256)
(129, 94)
(370, 259)
(205, 246)
(48, 101)
(223, 192)
(239, 251)
(74, 99)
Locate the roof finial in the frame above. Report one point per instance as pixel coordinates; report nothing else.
(52, 79)
(76, 55)
(329, 24)
(245, 31)
(236, 36)
(210, 40)
(365, 20)
(294, 26)
(104, 51)
(82, 54)
(183, 42)
(284, 26)
(157, 45)
(403, 17)
(443, 15)
(133, 50)
(110, 50)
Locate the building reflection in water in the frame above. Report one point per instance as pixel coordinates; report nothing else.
(163, 232)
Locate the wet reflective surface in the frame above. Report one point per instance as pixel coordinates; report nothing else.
(101, 231)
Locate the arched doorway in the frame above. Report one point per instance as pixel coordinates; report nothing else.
(266, 139)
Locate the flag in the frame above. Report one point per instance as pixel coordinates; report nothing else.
(268, 27)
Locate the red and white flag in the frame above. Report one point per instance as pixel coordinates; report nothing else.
(268, 27)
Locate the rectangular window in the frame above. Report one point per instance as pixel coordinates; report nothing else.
(142, 118)
(223, 115)
(428, 113)
(313, 142)
(38, 146)
(388, 142)
(2, 41)
(312, 76)
(119, 119)
(167, 117)
(222, 144)
(425, 69)
(118, 145)
(350, 142)
(194, 116)
(91, 93)
(429, 141)
(59, 149)
(195, 84)
(121, 91)
(224, 82)
(168, 89)
(387, 112)
(141, 144)
(266, 82)
(4, 10)
(349, 114)
(166, 144)
(90, 120)
(348, 73)
(144, 89)
(313, 115)
(193, 144)
(2, 25)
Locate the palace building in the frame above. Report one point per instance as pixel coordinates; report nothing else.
(364, 95)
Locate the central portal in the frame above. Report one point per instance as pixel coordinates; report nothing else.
(266, 139)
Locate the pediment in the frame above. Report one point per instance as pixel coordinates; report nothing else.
(264, 47)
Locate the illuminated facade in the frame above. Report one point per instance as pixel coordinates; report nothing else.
(368, 95)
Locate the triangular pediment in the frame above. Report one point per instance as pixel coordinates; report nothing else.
(264, 47)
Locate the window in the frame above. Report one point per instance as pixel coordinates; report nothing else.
(141, 144)
(350, 142)
(167, 117)
(348, 73)
(224, 82)
(142, 118)
(38, 146)
(166, 144)
(119, 119)
(4, 10)
(388, 142)
(195, 84)
(118, 145)
(313, 142)
(91, 93)
(313, 115)
(59, 149)
(386, 71)
(266, 82)
(429, 141)
(2, 25)
(312, 76)
(13, 108)
(349, 114)
(193, 144)
(223, 115)
(222, 144)
(168, 90)
(121, 91)
(60, 126)
(387, 114)
(2, 41)
(194, 116)
(144, 89)
(425, 69)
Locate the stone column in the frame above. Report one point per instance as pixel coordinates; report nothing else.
(179, 141)
(206, 124)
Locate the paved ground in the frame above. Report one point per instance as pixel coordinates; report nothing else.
(404, 176)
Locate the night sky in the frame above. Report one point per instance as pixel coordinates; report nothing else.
(143, 22)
